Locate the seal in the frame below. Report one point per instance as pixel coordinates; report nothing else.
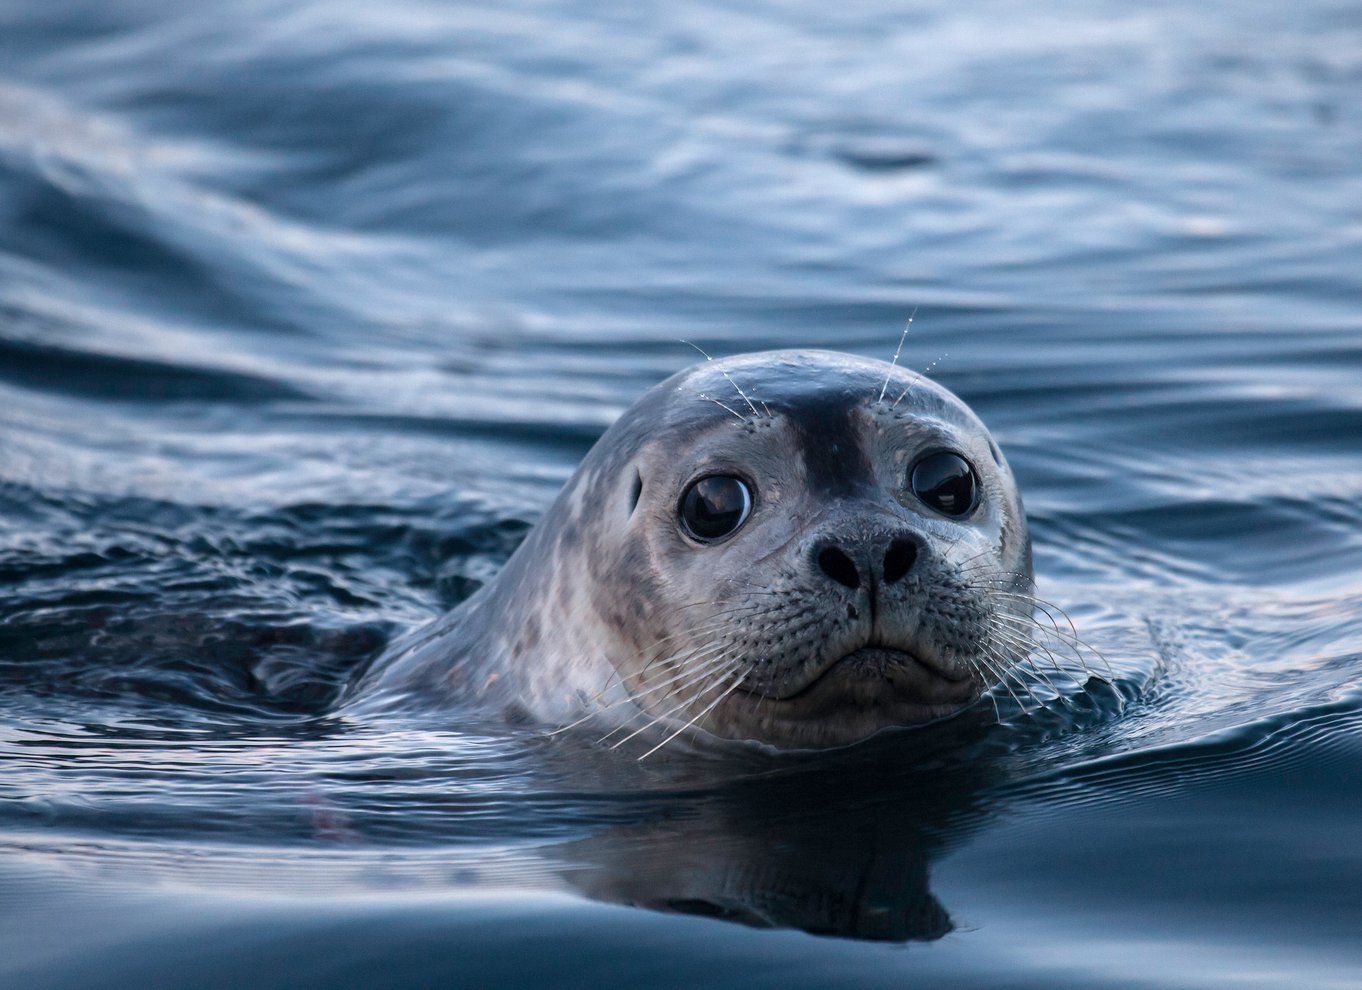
(800, 548)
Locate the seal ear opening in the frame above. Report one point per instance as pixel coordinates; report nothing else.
(636, 492)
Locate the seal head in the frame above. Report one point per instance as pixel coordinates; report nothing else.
(801, 548)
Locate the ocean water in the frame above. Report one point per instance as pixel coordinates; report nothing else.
(307, 309)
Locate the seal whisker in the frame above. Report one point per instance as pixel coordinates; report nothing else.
(997, 715)
(690, 674)
(748, 589)
(617, 678)
(732, 668)
(965, 565)
(1048, 608)
(683, 680)
(692, 668)
(721, 405)
(920, 374)
(708, 708)
(729, 377)
(1001, 674)
(1026, 657)
(1019, 626)
(1011, 633)
(687, 665)
(1019, 640)
(987, 672)
(1071, 637)
(712, 620)
(1019, 620)
(720, 620)
(694, 665)
(897, 351)
(1012, 672)
(567, 727)
(1013, 667)
(652, 719)
(978, 576)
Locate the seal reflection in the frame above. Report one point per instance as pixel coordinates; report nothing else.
(837, 848)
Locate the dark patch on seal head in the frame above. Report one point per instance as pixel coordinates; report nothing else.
(831, 444)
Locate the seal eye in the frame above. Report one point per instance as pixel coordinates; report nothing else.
(946, 482)
(715, 507)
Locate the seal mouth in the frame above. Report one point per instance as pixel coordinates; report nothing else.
(876, 675)
(874, 659)
(859, 694)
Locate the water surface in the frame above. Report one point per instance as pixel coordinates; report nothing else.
(307, 311)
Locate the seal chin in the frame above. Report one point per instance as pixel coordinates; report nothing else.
(868, 690)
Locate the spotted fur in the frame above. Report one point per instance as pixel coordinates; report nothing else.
(609, 611)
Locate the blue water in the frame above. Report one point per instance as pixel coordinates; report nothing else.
(308, 309)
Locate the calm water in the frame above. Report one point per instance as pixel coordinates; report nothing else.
(307, 310)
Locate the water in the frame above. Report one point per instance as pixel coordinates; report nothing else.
(307, 310)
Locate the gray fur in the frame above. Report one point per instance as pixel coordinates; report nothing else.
(608, 608)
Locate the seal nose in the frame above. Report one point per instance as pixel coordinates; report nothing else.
(851, 563)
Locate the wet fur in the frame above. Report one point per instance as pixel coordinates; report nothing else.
(607, 610)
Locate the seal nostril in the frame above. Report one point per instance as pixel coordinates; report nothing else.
(899, 560)
(839, 567)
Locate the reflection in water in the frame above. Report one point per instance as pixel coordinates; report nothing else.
(820, 874)
(838, 844)
(841, 849)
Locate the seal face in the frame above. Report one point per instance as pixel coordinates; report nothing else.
(796, 547)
